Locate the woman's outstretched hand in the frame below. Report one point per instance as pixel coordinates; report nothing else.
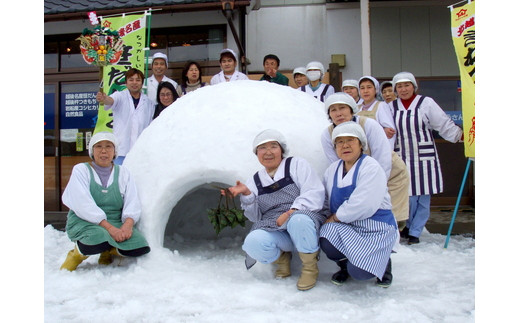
(239, 188)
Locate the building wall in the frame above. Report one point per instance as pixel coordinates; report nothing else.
(300, 34)
(413, 36)
(415, 39)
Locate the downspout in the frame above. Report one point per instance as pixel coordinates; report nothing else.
(227, 9)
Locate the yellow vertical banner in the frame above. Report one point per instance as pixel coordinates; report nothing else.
(132, 29)
(463, 34)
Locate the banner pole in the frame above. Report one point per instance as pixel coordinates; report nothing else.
(457, 204)
(148, 15)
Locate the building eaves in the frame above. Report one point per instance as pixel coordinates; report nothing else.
(78, 9)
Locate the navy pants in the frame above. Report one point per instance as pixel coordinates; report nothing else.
(88, 250)
(335, 255)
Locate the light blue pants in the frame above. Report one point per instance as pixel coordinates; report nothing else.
(419, 214)
(119, 160)
(266, 246)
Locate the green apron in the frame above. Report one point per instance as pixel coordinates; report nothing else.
(109, 199)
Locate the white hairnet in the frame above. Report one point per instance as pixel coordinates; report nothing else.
(350, 129)
(341, 97)
(161, 56)
(100, 136)
(404, 77)
(270, 135)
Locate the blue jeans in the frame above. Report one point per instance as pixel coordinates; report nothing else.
(419, 214)
(266, 246)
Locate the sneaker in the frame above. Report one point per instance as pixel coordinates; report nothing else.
(340, 277)
(413, 240)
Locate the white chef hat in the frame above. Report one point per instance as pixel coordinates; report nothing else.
(404, 77)
(228, 50)
(100, 136)
(270, 135)
(341, 97)
(161, 56)
(315, 65)
(350, 82)
(373, 79)
(299, 70)
(350, 129)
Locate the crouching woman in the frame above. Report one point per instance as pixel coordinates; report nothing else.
(361, 230)
(283, 200)
(104, 207)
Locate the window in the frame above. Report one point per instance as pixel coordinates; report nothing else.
(199, 43)
(78, 116)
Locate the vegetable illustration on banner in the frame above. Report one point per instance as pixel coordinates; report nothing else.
(116, 45)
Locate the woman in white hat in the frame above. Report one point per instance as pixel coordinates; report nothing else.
(360, 231)
(104, 207)
(415, 117)
(341, 107)
(319, 90)
(372, 108)
(228, 64)
(351, 88)
(299, 76)
(283, 200)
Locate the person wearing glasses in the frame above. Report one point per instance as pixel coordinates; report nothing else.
(360, 231)
(166, 95)
(283, 200)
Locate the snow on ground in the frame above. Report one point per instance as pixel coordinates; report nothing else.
(206, 281)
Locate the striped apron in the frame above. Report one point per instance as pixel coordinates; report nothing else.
(398, 181)
(416, 146)
(366, 243)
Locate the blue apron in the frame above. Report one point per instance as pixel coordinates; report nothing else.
(366, 243)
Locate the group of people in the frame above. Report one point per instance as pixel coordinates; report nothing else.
(133, 111)
(383, 169)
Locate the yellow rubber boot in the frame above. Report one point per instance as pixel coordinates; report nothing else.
(105, 258)
(284, 265)
(310, 271)
(74, 258)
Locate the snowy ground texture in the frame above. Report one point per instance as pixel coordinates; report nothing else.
(206, 281)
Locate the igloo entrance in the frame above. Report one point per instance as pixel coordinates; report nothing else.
(189, 218)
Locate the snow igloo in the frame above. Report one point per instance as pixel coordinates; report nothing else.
(204, 141)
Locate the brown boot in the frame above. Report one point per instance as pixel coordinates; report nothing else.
(105, 258)
(284, 265)
(74, 258)
(309, 270)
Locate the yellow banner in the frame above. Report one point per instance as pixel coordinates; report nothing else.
(132, 29)
(463, 34)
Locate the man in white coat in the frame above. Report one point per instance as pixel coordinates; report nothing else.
(132, 110)
(159, 69)
(228, 64)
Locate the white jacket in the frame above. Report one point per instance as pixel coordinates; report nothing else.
(129, 122)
